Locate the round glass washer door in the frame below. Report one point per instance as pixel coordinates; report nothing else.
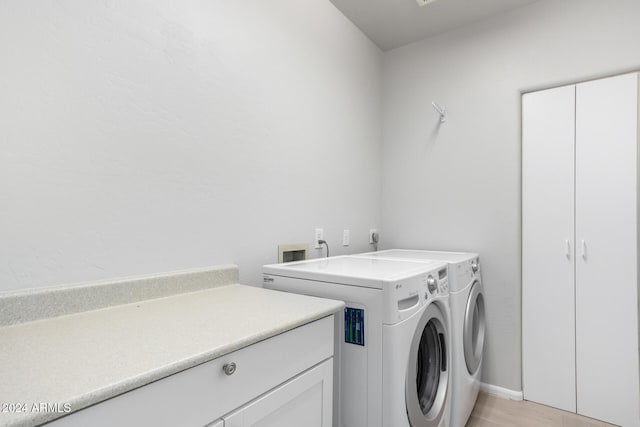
(474, 328)
(427, 373)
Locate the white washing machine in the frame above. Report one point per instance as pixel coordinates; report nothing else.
(467, 322)
(392, 359)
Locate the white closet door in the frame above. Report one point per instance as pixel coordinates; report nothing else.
(606, 261)
(548, 343)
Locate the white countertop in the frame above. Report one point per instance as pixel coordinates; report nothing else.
(84, 358)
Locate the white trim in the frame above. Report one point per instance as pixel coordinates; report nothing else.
(501, 391)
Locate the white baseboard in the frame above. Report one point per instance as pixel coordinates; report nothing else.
(501, 391)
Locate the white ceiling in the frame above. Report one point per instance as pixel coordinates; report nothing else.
(393, 23)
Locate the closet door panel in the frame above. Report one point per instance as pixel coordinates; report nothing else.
(606, 261)
(547, 247)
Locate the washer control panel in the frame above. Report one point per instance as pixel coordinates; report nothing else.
(436, 283)
(432, 283)
(404, 297)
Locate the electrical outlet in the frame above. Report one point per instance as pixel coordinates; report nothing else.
(373, 236)
(346, 238)
(319, 236)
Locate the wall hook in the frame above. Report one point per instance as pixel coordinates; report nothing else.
(441, 110)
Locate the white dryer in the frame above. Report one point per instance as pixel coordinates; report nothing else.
(392, 359)
(467, 322)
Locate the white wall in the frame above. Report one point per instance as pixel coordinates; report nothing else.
(457, 186)
(144, 136)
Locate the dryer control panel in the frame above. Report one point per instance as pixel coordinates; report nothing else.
(468, 271)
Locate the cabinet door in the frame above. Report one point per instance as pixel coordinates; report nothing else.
(548, 329)
(303, 401)
(606, 264)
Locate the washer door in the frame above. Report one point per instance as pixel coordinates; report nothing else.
(473, 330)
(427, 374)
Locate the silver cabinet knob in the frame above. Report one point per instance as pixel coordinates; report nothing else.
(229, 368)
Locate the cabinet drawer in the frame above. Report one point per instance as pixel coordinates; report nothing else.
(303, 401)
(203, 393)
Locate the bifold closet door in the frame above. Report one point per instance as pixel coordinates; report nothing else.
(548, 345)
(606, 262)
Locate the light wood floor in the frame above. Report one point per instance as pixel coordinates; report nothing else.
(492, 411)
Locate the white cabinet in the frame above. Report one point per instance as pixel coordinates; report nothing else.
(274, 380)
(580, 248)
(303, 401)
